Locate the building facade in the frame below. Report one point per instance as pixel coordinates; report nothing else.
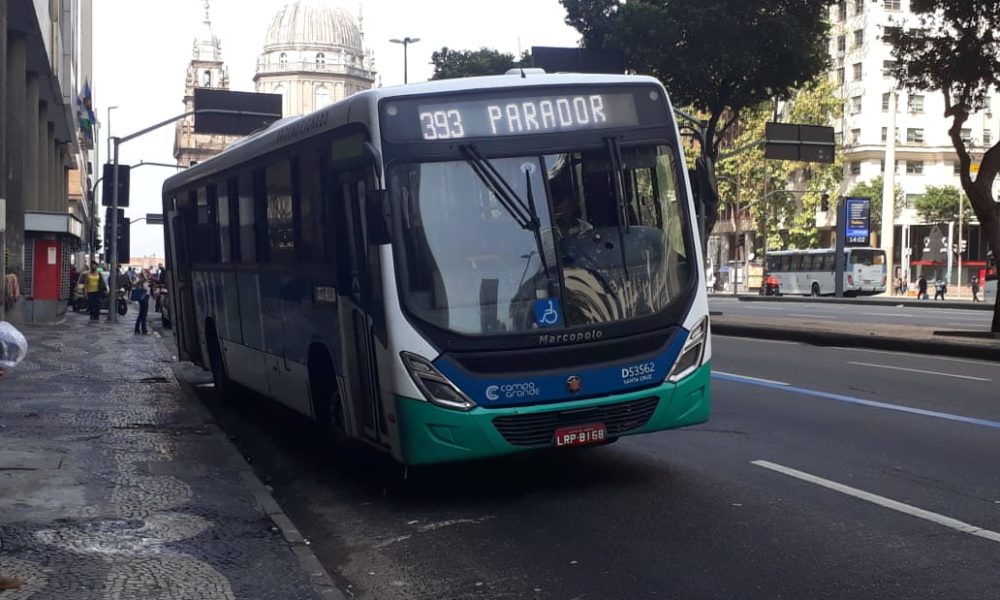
(313, 55)
(46, 153)
(206, 70)
(861, 63)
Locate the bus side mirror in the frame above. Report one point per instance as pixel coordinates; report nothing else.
(378, 217)
(707, 194)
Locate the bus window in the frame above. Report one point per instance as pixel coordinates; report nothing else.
(866, 257)
(786, 262)
(207, 212)
(773, 264)
(309, 174)
(807, 262)
(233, 204)
(225, 248)
(796, 263)
(830, 261)
(248, 234)
(280, 212)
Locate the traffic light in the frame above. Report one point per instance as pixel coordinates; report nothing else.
(124, 253)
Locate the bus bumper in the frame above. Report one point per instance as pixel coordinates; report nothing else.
(430, 434)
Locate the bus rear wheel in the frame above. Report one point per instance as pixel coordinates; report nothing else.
(814, 292)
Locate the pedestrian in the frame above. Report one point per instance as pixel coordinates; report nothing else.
(921, 288)
(975, 288)
(13, 348)
(140, 293)
(95, 287)
(939, 289)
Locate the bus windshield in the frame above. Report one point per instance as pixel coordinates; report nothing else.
(557, 247)
(867, 258)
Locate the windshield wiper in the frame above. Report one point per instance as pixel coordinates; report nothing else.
(524, 214)
(620, 208)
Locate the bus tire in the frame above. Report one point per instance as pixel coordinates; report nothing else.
(814, 292)
(225, 389)
(324, 393)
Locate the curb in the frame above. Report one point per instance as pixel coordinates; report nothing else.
(849, 340)
(321, 581)
(870, 302)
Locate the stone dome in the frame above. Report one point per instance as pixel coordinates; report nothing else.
(313, 24)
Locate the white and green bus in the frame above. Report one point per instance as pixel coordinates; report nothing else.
(455, 269)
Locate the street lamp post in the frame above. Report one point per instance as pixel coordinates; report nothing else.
(406, 44)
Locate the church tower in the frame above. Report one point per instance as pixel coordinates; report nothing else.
(206, 70)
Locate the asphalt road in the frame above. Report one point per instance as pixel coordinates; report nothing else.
(751, 505)
(953, 319)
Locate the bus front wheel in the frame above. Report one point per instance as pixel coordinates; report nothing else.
(324, 394)
(815, 290)
(224, 387)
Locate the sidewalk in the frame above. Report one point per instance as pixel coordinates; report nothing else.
(965, 304)
(116, 484)
(895, 338)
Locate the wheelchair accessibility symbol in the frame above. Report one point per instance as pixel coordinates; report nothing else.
(547, 313)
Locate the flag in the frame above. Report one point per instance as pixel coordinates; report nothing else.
(85, 110)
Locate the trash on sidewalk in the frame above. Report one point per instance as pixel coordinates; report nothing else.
(9, 583)
(13, 346)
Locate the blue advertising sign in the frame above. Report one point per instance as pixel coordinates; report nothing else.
(858, 230)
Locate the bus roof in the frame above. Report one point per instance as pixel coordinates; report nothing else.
(362, 107)
(820, 251)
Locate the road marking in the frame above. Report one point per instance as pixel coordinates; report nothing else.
(811, 316)
(883, 314)
(747, 378)
(757, 340)
(777, 385)
(882, 501)
(922, 371)
(910, 354)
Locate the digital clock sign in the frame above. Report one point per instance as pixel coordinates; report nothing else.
(858, 228)
(447, 119)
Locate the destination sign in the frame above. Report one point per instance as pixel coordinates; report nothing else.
(858, 230)
(435, 119)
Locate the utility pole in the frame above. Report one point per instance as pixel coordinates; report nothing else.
(888, 191)
(406, 44)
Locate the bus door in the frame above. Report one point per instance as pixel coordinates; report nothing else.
(362, 316)
(180, 292)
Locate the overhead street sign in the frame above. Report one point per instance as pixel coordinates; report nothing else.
(805, 143)
(234, 113)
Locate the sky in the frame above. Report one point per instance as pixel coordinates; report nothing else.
(142, 49)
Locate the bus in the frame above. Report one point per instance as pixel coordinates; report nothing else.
(453, 270)
(812, 272)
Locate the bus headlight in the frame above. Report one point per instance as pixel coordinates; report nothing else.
(690, 357)
(436, 388)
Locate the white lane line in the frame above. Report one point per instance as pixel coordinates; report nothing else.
(882, 501)
(811, 316)
(910, 354)
(756, 340)
(748, 378)
(922, 371)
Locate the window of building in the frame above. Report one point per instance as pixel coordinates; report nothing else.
(856, 71)
(280, 212)
(855, 136)
(859, 7)
(855, 167)
(914, 135)
(320, 60)
(883, 166)
(892, 4)
(859, 38)
(283, 59)
(891, 34)
(842, 10)
(987, 137)
(887, 68)
(841, 43)
(914, 167)
(322, 97)
(956, 167)
(885, 131)
(912, 199)
(855, 105)
(966, 135)
(885, 103)
(840, 75)
(915, 103)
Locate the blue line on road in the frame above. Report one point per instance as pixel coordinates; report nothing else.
(853, 400)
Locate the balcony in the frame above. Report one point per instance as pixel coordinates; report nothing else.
(313, 67)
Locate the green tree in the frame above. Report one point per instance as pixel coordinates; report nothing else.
(873, 189)
(719, 56)
(939, 204)
(451, 64)
(956, 50)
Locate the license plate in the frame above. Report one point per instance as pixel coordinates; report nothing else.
(582, 435)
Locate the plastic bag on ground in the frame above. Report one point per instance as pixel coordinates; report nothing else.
(13, 346)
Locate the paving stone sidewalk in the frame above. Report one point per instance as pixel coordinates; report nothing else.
(115, 484)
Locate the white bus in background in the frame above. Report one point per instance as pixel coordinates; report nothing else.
(811, 272)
